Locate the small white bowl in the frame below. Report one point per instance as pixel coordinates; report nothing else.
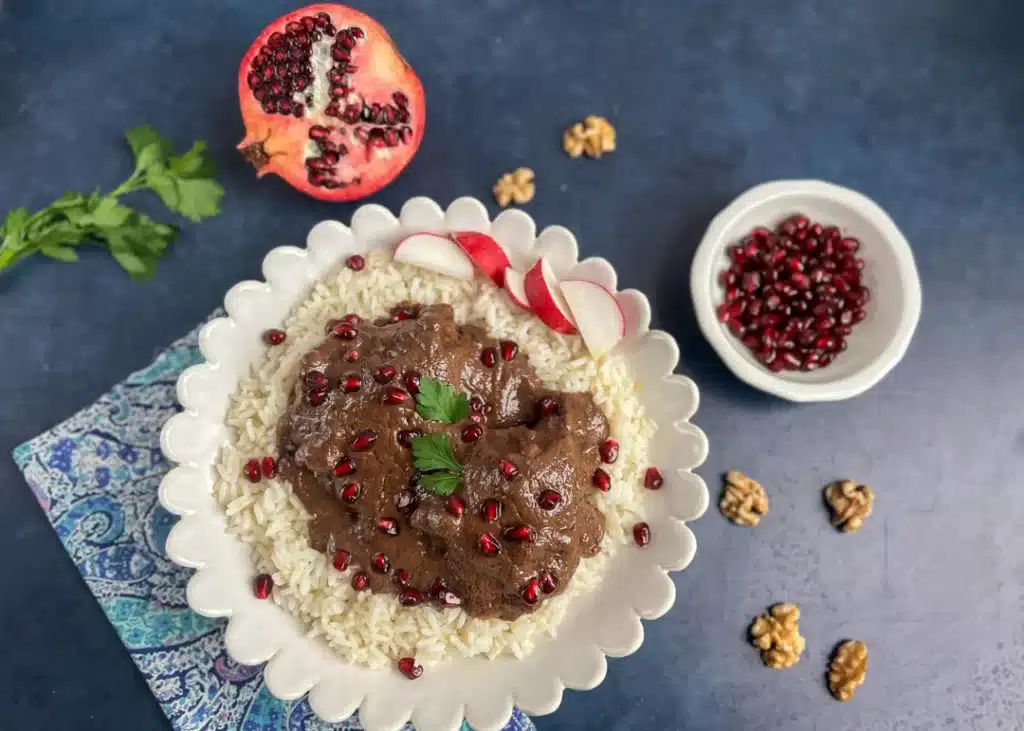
(876, 345)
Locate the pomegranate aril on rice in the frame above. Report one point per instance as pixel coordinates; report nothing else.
(360, 581)
(641, 534)
(801, 268)
(262, 586)
(407, 666)
(341, 560)
(274, 337)
(252, 470)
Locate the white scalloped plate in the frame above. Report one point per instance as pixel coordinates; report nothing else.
(605, 622)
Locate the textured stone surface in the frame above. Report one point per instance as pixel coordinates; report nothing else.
(917, 104)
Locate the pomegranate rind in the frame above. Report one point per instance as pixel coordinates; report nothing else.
(276, 144)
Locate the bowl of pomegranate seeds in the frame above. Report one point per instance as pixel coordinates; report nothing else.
(806, 290)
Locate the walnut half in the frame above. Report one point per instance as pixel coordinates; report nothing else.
(594, 136)
(848, 668)
(777, 636)
(850, 504)
(515, 187)
(743, 501)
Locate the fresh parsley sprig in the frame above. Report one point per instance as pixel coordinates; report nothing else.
(437, 401)
(433, 456)
(184, 183)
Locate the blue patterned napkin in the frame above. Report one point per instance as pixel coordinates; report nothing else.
(96, 476)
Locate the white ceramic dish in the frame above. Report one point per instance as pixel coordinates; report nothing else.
(604, 622)
(876, 345)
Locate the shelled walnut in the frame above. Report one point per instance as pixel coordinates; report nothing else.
(594, 136)
(515, 187)
(777, 636)
(848, 668)
(850, 504)
(743, 501)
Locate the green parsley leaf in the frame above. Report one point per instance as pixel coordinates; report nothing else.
(433, 452)
(437, 401)
(433, 456)
(184, 183)
(441, 483)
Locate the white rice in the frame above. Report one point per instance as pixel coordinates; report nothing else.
(372, 629)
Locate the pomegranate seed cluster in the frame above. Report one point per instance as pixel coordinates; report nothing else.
(794, 295)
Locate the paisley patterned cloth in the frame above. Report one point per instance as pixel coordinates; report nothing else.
(96, 475)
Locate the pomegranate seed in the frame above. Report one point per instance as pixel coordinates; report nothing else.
(454, 505)
(407, 666)
(364, 440)
(388, 526)
(406, 437)
(531, 592)
(252, 470)
(345, 467)
(403, 313)
(449, 599)
(488, 357)
(653, 479)
(548, 581)
(410, 597)
(262, 586)
(315, 397)
(394, 396)
(360, 581)
(317, 380)
(642, 534)
(601, 480)
(269, 467)
(342, 559)
(549, 499)
(356, 263)
(519, 534)
(412, 382)
(546, 406)
(509, 350)
(352, 383)
(401, 577)
(352, 356)
(381, 563)
(609, 451)
(491, 509)
(488, 545)
(472, 432)
(274, 337)
(509, 470)
(351, 492)
(477, 404)
(436, 586)
(384, 374)
(406, 501)
(344, 331)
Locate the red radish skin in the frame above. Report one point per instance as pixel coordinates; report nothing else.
(599, 318)
(485, 252)
(329, 104)
(546, 299)
(516, 289)
(437, 253)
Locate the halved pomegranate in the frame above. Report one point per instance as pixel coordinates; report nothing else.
(329, 104)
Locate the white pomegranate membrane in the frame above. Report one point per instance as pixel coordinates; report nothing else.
(328, 593)
(307, 70)
(794, 295)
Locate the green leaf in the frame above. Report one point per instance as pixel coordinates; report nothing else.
(441, 483)
(131, 261)
(437, 401)
(192, 164)
(199, 198)
(141, 138)
(61, 253)
(15, 223)
(107, 214)
(433, 452)
(164, 185)
(151, 157)
(61, 233)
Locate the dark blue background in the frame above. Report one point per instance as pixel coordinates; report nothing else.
(918, 104)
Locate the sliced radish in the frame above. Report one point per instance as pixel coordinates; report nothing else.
(435, 252)
(514, 288)
(598, 316)
(485, 252)
(546, 300)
